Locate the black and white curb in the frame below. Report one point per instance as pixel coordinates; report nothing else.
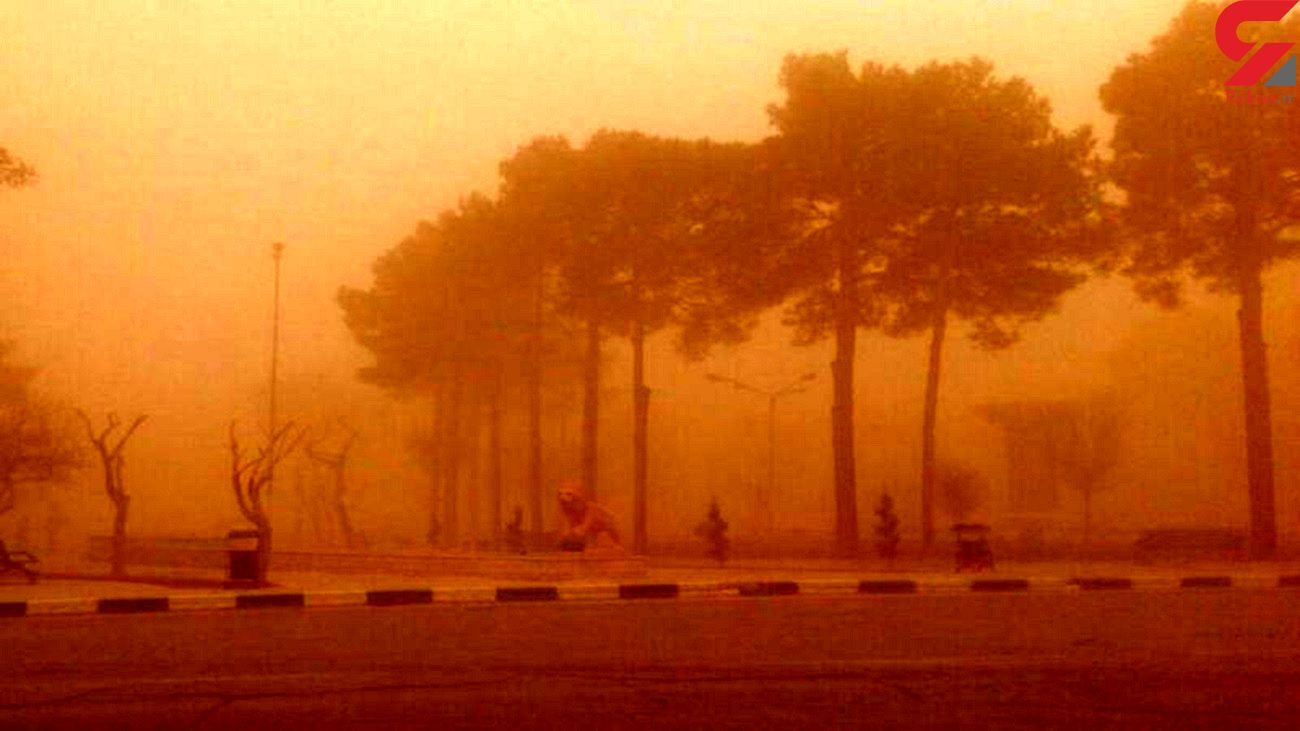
(271, 599)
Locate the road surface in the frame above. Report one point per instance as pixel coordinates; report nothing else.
(1212, 659)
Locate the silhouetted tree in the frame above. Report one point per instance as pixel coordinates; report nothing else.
(36, 445)
(444, 318)
(830, 173)
(13, 171)
(1089, 451)
(886, 528)
(250, 474)
(532, 182)
(1211, 192)
(336, 462)
(1001, 222)
(714, 532)
(636, 190)
(109, 443)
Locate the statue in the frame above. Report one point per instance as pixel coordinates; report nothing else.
(586, 519)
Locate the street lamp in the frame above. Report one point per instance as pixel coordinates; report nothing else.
(796, 386)
(277, 251)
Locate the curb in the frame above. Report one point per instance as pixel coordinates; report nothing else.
(275, 599)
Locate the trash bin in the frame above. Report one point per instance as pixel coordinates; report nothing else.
(241, 548)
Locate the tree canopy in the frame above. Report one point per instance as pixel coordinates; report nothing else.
(1212, 189)
(13, 171)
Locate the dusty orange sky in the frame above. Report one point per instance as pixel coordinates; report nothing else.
(175, 141)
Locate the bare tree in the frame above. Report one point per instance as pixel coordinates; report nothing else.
(250, 477)
(337, 462)
(1089, 450)
(109, 446)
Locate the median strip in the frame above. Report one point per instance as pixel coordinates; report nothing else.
(267, 601)
(648, 591)
(999, 585)
(897, 586)
(1206, 582)
(396, 597)
(769, 588)
(133, 605)
(622, 592)
(1102, 583)
(527, 594)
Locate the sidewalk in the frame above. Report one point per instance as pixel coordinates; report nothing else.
(70, 581)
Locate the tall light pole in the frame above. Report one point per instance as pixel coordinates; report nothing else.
(764, 498)
(277, 251)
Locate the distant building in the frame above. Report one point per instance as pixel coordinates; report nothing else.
(1037, 434)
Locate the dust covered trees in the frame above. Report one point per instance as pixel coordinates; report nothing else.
(36, 444)
(829, 181)
(13, 171)
(335, 461)
(1211, 192)
(251, 472)
(1001, 222)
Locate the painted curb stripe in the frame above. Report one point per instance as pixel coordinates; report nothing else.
(1102, 583)
(899, 586)
(1206, 582)
(588, 592)
(396, 597)
(344, 598)
(465, 595)
(648, 591)
(769, 588)
(999, 585)
(202, 601)
(709, 589)
(133, 605)
(62, 606)
(263, 601)
(527, 593)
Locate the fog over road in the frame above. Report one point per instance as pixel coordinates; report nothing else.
(1210, 659)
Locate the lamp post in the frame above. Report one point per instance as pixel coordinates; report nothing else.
(277, 251)
(764, 497)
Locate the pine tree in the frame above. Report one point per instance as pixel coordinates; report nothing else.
(714, 532)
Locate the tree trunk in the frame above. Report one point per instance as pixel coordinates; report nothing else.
(535, 417)
(1259, 430)
(938, 329)
(121, 504)
(340, 508)
(451, 464)
(474, 463)
(590, 408)
(640, 436)
(842, 444)
(435, 454)
(495, 479)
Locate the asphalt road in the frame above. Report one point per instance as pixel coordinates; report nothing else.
(1213, 659)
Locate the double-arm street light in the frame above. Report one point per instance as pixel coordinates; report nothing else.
(764, 497)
